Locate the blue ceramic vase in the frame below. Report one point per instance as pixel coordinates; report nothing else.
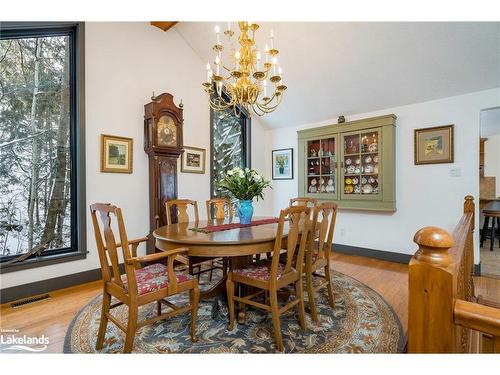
(245, 211)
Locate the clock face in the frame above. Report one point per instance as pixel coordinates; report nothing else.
(167, 131)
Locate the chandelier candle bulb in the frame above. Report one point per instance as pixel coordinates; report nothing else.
(217, 33)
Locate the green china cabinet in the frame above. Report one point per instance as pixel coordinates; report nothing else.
(352, 163)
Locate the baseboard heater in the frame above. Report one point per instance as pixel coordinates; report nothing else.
(26, 301)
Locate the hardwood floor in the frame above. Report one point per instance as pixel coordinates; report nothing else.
(51, 317)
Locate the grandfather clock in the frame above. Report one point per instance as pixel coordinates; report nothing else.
(163, 143)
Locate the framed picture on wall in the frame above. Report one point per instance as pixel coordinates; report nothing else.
(434, 145)
(193, 160)
(116, 154)
(282, 161)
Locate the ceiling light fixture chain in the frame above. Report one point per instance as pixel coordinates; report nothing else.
(248, 81)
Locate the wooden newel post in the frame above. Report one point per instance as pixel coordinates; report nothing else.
(431, 293)
(469, 206)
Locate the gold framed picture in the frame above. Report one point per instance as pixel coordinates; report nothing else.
(434, 145)
(116, 154)
(193, 160)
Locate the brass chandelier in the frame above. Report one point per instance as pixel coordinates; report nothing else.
(243, 83)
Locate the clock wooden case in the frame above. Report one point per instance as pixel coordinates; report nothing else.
(163, 122)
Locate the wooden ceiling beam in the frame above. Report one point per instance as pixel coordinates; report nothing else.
(163, 24)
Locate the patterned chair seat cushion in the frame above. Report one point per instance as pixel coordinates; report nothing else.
(154, 277)
(260, 271)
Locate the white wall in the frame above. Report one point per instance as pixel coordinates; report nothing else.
(125, 63)
(426, 194)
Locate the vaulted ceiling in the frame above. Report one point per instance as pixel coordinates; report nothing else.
(334, 68)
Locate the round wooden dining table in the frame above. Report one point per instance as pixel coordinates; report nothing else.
(239, 244)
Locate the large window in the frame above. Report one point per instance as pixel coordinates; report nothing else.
(230, 144)
(40, 135)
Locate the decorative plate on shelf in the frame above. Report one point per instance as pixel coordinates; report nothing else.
(348, 189)
(368, 159)
(367, 189)
(348, 161)
(358, 161)
(355, 181)
(351, 169)
(369, 169)
(373, 147)
(313, 189)
(363, 180)
(375, 159)
(371, 180)
(356, 189)
(348, 181)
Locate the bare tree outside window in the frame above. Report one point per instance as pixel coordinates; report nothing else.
(35, 147)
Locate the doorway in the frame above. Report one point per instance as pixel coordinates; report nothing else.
(489, 192)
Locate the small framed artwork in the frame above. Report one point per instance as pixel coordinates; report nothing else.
(116, 154)
(434, 145)
(193, 160)
(283, 164)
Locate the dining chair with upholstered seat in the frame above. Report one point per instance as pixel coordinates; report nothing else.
(318, 254)
(139, 285)
(270, 276)
(177, 213)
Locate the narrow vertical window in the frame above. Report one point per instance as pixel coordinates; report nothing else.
(230, 144)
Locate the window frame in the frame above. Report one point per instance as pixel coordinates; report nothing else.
(76, 31)
(246, 143)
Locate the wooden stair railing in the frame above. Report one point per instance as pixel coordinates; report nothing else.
(442, 315)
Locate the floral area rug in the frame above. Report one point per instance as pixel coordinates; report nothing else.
(361, 322)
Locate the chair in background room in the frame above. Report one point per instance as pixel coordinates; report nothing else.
(272, 275)
(139, 285)
(318, 256)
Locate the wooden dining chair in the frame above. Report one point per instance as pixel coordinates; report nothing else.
(221, 208)
(139, 285)
(318, 253)
(269, 276)
(177, 210)
(177, 213)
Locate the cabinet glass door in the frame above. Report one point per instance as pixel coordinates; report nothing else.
(361, 164)
(321, 167)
